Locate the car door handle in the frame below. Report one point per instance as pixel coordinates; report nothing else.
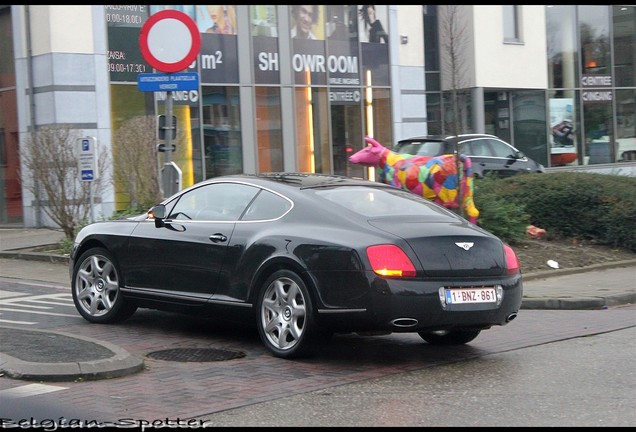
(218, 238)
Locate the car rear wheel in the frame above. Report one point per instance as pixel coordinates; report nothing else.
(285, 321)
(450, 337)
(95, 287)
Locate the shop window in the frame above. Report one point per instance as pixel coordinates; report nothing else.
(269, 129)
(222, 131)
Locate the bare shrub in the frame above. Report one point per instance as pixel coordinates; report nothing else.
(136, 167)
(50, 156)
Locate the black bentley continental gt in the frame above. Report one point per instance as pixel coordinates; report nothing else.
(303, 256)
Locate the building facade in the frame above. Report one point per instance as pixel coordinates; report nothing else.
(296, 88)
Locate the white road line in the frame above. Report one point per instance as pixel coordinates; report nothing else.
(30, 390)
(7, 294)
(30, 306)
(44, 297)
(37, 312)
(17, 322)
(63, 302)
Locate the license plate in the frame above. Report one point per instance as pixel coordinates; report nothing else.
(470, 295)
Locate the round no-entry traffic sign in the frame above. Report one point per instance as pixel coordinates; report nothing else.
(170, 40)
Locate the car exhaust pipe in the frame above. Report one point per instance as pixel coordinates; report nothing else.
(404, 322)
(511, 317)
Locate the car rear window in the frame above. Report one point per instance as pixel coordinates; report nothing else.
(372, 202)
(421, 148)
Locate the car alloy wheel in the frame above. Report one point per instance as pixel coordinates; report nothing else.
(95, 286)
(284, 314)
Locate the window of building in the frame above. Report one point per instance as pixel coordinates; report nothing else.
(626, 124)
(596, 80)
(221, 124)
(594, 29)
(599, 145)
(312, 137)
(269, 129)
(529, 124)
(562, 47)
(564, 127)
(624, 27)
(511, 23)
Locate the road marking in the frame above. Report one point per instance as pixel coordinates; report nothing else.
(35, 298)
(7, 294)
(52, 300)
(37, 312)
(17, 322)
(62, 302)
(30, 390)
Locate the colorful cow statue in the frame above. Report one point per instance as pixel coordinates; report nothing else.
(433, 177)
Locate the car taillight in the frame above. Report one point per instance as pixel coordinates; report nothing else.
(512, 262)
(390, 260)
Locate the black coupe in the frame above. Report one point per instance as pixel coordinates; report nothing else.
(303, 256)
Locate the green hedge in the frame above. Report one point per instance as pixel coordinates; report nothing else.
(583, 205)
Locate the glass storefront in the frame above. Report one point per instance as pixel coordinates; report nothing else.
(338, 69)
(590, 56)
(298, 87)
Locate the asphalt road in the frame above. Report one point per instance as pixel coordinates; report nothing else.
(546, 368)
(557, 367)
(580, 382)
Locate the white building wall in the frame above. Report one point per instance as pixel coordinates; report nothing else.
(510, 65)
(76, 21)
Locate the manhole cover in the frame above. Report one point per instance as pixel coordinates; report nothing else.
(196, 354)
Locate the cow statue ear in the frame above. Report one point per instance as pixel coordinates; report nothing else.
(372, 142)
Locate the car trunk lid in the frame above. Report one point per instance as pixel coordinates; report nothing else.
(462, 251)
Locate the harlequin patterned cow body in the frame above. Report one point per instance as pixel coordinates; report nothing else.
(433, 177)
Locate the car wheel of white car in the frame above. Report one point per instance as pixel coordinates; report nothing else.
(450, 337)
(285, 321)
(95, 286)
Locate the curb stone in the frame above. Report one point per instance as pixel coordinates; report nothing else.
(116, 363)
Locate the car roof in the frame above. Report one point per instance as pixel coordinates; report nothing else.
(299, 180)
(447, 137)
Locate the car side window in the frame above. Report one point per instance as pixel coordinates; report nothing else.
(216, 201)
(266, 206)
(502, 150)
(480, 147)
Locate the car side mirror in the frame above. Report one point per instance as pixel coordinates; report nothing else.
(158, 213)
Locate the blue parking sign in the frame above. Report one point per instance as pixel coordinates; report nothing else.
(87, 158)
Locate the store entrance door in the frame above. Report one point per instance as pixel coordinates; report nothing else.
(346, 135)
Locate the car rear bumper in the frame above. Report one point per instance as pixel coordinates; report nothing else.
(413, 306)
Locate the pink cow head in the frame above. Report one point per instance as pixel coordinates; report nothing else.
(370, 155)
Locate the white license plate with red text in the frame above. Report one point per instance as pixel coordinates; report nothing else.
(471, 295)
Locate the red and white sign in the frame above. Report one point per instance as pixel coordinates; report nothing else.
(170, 40)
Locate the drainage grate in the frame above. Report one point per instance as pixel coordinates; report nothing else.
(196, 354)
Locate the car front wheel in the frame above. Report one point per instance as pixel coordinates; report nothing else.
(450, 337)
(285, 321)
(95, 287)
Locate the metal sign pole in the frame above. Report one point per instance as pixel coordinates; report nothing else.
(92, 201)
(169, 127)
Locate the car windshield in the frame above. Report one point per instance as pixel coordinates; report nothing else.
(422, 148)
(372, 202)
